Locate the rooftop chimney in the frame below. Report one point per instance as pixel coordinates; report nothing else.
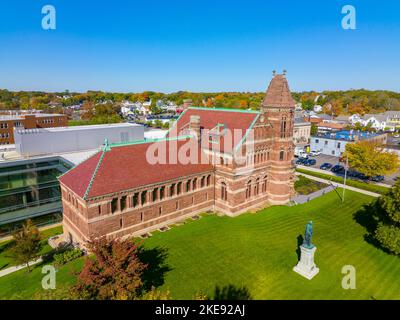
(194, 126)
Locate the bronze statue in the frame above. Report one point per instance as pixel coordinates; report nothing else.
(308, 235)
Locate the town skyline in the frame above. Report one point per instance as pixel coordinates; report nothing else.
(224, 47)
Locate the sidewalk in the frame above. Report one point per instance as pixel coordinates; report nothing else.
(336, 184)
(16, 268)
(300, 199)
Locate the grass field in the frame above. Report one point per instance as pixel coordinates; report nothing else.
(7, 261)
(257, 252)
(353, 183)
(252, 256)
(305, 186)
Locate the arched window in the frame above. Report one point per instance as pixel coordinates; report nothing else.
(179, 188)
(224, 192)
(194, 184)
(208, 180)
(281, 155)
(202, 182)
(264, 185)
(248, 190)
(256, 187)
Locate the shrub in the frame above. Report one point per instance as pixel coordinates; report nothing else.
(389, 238)
(66, 256)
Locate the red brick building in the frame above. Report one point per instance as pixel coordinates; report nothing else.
(27, 121)
(219, 160)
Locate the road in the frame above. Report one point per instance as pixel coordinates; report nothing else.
(389, 181)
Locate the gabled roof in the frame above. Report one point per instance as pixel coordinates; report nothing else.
(211, 118)
(123, 167)
(278, 93)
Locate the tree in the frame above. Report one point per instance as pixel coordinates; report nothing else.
(63, 292)
(369, 158)
(388, 230)
(155, 294)
(113, 272)
(26, 244)
(314, 129)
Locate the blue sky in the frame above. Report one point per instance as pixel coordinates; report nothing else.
(218, 45)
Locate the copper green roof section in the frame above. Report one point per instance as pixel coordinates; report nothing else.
(247, 132)
(106, 148)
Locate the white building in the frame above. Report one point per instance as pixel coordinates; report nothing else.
(334, 143)
(32, 142)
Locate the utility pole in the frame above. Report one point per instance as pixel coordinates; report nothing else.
(345, 176)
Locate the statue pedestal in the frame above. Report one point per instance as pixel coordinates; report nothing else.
(306, 266)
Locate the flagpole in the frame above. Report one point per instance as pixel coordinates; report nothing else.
(345, 175)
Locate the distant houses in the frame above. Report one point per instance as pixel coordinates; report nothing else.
(389, 120)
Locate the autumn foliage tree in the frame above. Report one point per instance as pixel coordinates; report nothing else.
(113, 271)
(370, 158)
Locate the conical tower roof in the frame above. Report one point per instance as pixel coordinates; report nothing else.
(278, 93)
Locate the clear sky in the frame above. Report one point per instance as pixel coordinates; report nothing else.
(198, 45)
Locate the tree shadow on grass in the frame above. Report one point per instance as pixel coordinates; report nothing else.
(300, 241)
(369, 216)
(155, 258)
(231, 292)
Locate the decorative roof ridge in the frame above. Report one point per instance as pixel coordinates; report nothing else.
(224, 109)
(105, 149)
(130, 143)
(75, 166)
(246, 134)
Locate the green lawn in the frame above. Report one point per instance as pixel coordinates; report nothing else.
(23, 285)
(258, 252)
(253, 255)
(7, 261)
(353, 183)
(305, 186)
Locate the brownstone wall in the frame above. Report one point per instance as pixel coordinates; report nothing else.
(116, 216)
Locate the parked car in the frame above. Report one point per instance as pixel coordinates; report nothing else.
(362, 176)
(377, 178)
(300, 161)
(352, 173)
(337, 169)
(315, 153)
(326, 166)
(309, 162)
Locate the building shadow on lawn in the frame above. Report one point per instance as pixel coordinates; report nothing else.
(369, 217)
(155, 258)
(231, 292)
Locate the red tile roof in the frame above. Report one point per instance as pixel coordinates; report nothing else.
(210, 118)
(126, 167)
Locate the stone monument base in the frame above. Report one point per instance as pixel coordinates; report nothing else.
(306, 266)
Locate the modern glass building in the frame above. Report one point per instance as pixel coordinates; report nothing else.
(30, 189)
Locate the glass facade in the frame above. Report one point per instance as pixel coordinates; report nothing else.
(30, 189)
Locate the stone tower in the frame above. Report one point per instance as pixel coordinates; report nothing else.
(278, 112)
